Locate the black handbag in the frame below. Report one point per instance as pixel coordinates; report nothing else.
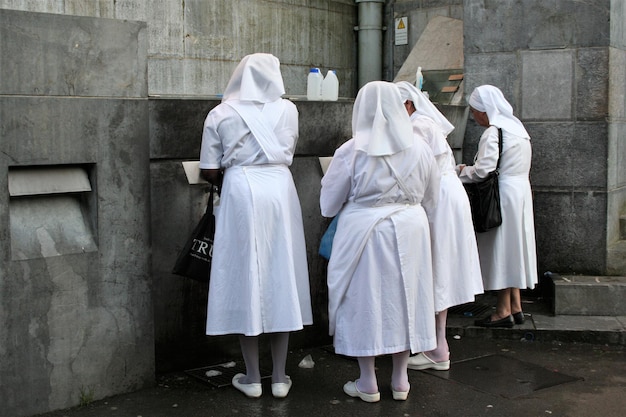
(194, 260)
(484, 198)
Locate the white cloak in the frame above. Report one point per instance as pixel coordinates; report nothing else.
(259, 276)
(508, 256)
(380, 272)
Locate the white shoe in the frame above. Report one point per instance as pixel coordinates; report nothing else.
(253, 390)
(421, 361)
(400, 395)
(281, 389)
(352, 390)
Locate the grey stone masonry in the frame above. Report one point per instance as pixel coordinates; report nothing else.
(75, 325)
(583, 295)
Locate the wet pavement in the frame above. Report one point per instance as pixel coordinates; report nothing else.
(567, 366)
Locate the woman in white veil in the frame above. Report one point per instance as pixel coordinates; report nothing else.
(381, 183)
(259, 275)
(508, 256)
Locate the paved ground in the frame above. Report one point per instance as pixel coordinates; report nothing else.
(550, 366)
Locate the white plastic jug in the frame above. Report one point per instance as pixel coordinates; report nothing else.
(314, 84)
(330, 86)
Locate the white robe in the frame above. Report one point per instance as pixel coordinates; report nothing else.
(456, 265)
(259, 276)
(508, 256)
(380, 273)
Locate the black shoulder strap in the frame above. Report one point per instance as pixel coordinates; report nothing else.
(499, 147)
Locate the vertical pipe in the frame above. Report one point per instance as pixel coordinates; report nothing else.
(370, 40)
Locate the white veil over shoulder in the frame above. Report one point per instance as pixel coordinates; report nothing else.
(380, 123)
(489, 99)
(424, 106)
(256, 78)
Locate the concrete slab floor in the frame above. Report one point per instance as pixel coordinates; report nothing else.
(596, 387)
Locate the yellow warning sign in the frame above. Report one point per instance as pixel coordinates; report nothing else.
(401, 32)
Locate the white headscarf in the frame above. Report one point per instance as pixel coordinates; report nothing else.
(257, 78)
(490, 100)
(424, 106)
(380, 123)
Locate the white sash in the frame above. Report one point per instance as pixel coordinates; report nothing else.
(262, 123)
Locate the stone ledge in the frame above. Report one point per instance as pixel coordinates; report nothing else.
(589, 295)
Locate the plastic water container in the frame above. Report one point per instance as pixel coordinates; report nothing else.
(330, 86)
(314, 84)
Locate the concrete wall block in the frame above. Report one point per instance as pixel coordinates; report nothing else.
(569, 155)
(547, 85)
(571, 234)
(201, 77)
(535, 24)
(505, 28)
(56, 7)
(592, 85)
(166, 31)
(617, 156)
(105, 9)
(176, 127)
(80, 322)
(46, 333)
(234, 30)
(500, 70)
(616, 210)
(617, 86)
(618, 24)
(45, 131)
(323, 126)
(589, 295)
(166, 76)
(71, 56)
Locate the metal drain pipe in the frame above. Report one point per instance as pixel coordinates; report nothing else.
(370, 40)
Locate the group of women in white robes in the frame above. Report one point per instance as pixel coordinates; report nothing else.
(259, 275)
(404, 247)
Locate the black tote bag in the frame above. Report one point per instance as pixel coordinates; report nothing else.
(194, 260)
(484, 198)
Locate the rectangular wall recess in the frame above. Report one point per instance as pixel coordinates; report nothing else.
(52, 211)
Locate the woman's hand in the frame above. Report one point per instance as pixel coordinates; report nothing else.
(213, 176)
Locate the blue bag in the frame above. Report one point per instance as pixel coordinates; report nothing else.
(326, 245)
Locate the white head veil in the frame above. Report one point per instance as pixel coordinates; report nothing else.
(424, 106)
(380, 123)
(489, 99)
(257, 78)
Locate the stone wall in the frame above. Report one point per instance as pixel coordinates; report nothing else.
(194, 45)
(560, 64)
(76, 316)
(552, 63)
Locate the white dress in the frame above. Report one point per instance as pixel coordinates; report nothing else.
(456, 265)
(380, 273)
(259, 277)
(508, 256)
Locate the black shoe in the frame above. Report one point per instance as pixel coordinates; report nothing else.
(486, 322)
(518, 318)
